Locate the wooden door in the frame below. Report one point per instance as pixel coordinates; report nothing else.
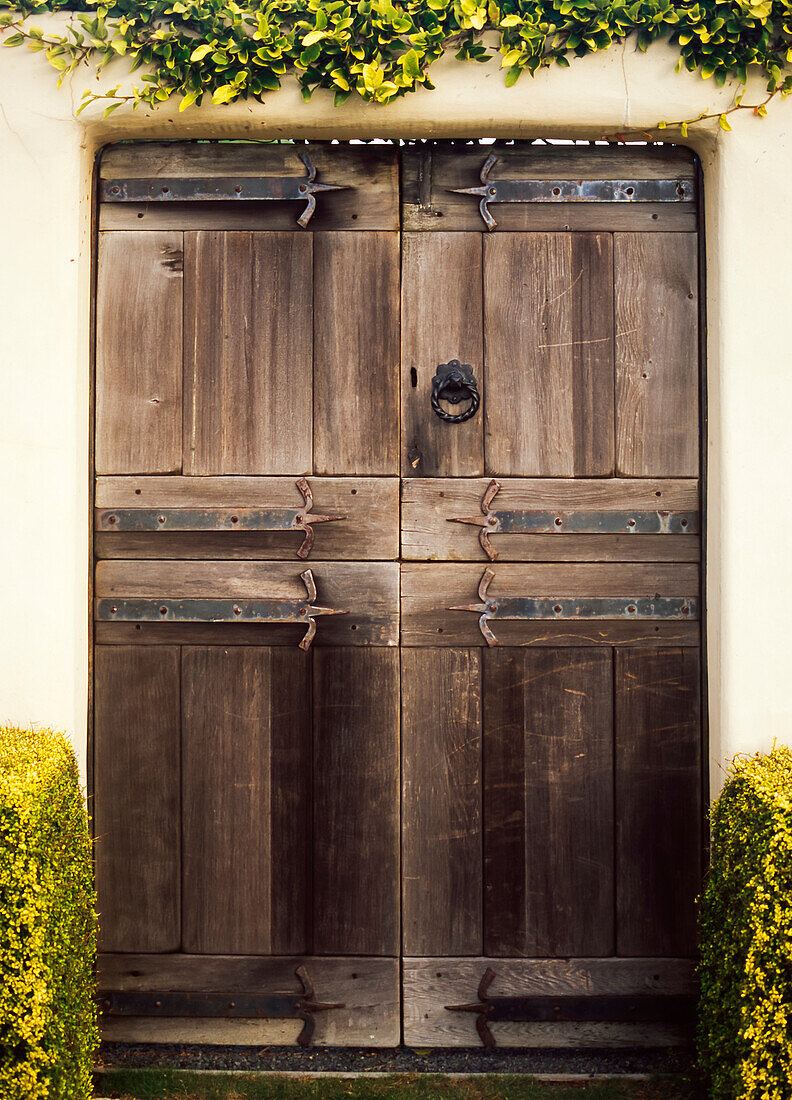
(246, 774)
(322, 754)
(551, 761)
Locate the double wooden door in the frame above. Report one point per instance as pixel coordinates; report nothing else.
(397, 679)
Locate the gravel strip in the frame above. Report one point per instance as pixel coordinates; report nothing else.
(393, 1060)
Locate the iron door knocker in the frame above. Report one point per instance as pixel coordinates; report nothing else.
(454, 382)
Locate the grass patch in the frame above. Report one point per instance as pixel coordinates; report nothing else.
(153, 1084)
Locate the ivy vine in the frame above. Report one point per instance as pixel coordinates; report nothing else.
(227, 50)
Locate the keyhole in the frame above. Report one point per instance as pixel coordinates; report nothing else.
(413, 377)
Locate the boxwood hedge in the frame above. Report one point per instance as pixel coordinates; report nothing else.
(746, 923)
(48, 1030)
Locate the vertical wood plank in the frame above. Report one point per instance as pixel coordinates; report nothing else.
(658, 800)
(246, 715)
(441, 807)
(548, 802)
(248, 357)
(136, 797)
(356, 360)
(657, 370)
(139, 353)
(441, 320)
(356, 801)
(548, 325)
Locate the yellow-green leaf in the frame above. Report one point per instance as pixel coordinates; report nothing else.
(200, 52)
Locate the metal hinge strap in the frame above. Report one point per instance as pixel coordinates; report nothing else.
(638, 1008)
(181, 520)
(256, 1006)
(163, 610)
(564, 608)
(542, 521)
(566, 190)
(223, 189)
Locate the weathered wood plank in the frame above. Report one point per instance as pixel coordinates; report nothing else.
(548, 376)
(657, 354)
(441, 801)
(658, 801)
(367, 593)
(139, 353)
(548, 802)
(430, 504)
(248, 353)
(356, 802)
(368, 988)
(247, 818)
(370, 505)
(429, 175)
(356, 353)
(136, 798)
(428, 591)
(430, 984)
(441, 320)
(369, 175)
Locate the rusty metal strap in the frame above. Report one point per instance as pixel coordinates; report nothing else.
(229, 1006)
(542, 521)
(164, 609)
(639, 1008)
(223, 189)
(564, 608)
(566, 190)
(183, 520)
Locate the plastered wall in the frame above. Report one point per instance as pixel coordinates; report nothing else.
(46, 164)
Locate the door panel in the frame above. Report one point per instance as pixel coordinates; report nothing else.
(657, 379)
(138, 373)
(248, 353)
(136, 798)
(441, 801)
(548, 372)
(443, 519)
(441, 320)
(548, 802)
(356, 355)
(356, 812)
(352, 518)
(247, 818)
(658, 800)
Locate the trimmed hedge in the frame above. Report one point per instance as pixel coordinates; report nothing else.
(746, 923)
(48, 1031)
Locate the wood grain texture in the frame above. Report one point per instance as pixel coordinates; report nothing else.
(548, 376)
(428, 591)
(548, 802)
(441, 320)
(356, 802)
(657, 354)
(370, 505)
(429, 505)
(139, 353)
(367, 593)
(430, 984)
(136, 798)
(430, 175)
(441, 801)
(658, 801)
(368, 989)
(247, 817)
(370, 199)
(248, 353)
(356, 353)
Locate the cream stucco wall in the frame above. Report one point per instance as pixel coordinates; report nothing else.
(46, 162)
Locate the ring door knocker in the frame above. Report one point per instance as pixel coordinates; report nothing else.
(454, 383)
